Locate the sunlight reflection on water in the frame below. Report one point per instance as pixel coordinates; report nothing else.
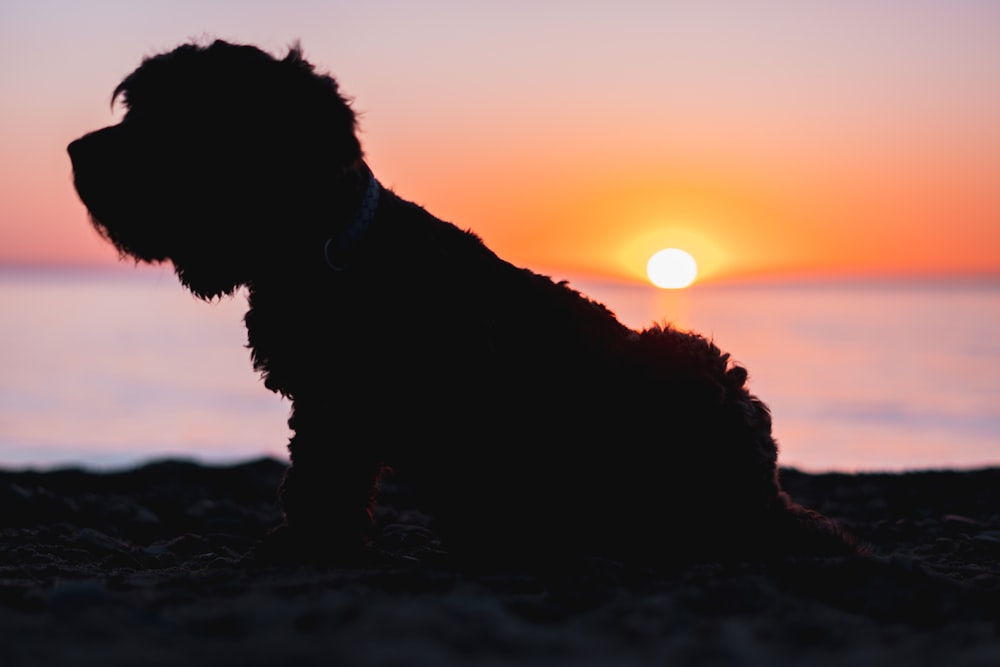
(114, 368)
(111, 368)
(859, 376)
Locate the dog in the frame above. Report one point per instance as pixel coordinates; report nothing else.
(525, 416)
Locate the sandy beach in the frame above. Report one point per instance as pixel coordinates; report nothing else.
(143, 567)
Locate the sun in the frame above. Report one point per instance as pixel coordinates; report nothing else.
(672, 268)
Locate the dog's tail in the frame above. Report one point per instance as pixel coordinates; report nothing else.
(793, 530)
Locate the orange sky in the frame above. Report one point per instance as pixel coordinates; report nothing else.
(578, 138)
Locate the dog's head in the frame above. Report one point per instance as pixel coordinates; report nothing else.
(225, 160)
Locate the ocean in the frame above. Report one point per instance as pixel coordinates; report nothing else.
(106, 369)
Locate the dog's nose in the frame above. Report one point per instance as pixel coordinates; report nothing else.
(79, 150)
(101, 145)
(74, 150)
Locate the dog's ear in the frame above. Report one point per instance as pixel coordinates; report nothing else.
(322, 109)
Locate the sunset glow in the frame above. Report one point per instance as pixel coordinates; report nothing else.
(779, 139)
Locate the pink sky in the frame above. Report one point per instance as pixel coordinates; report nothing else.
(764, 137)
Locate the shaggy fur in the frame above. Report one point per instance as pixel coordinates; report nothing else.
(528, 418)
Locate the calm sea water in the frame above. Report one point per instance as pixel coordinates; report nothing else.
(111, 369)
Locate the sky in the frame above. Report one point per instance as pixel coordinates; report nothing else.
(766, 137)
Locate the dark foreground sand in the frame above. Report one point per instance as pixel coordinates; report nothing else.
(142, 568)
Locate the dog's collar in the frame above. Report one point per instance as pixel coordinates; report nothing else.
(338, 249)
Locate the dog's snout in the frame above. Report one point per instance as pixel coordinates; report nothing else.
(76, 150)
(104, 144)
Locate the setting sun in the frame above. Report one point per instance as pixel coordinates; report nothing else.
(672, 268)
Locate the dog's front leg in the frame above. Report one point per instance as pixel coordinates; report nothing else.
(328, 498)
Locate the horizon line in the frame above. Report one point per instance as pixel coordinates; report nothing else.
(777, 276)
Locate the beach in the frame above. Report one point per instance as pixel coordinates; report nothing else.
(143, 566)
